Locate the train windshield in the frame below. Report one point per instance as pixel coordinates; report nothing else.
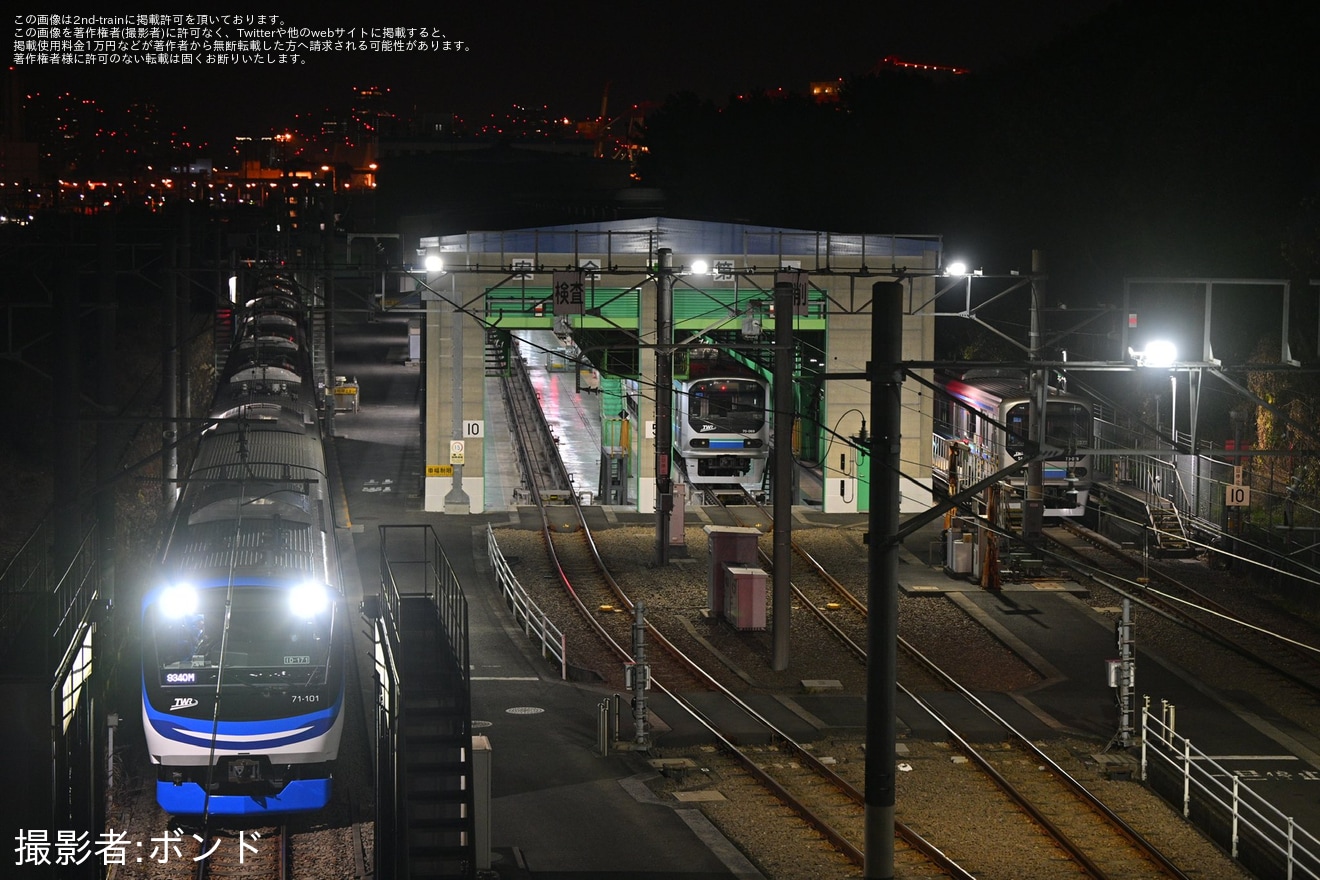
(1067, 426)
(726, 405)
(275, 636)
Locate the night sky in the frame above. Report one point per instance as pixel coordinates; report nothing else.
(1119, 137)
(563, 54)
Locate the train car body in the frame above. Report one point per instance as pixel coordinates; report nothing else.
(244, 635)
(979, 447)
(721, 421)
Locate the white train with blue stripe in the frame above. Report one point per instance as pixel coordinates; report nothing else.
(721, 420)
(982, 425)
(244, 635)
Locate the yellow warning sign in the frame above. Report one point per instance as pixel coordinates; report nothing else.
(439, 470)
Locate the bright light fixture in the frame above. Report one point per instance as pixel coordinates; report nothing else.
(1159, 353)
(700, 267)
(308, 599)
(434, 263)
(178, 600)
(957, 267)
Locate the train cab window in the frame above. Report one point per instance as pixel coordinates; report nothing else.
(275, 636)
(1067, 426)
(731, 405)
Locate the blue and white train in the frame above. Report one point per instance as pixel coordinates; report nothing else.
(244, 635)
(721, 421)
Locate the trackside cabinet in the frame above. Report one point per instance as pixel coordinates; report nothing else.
(728, 545)
(744, 597)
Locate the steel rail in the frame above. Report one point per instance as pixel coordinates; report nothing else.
(1149, 850)
(850, 850)
(1175, 611)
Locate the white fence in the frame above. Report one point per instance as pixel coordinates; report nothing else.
(1224, 806)
(526, 613)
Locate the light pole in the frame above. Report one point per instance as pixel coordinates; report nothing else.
(1173, 409)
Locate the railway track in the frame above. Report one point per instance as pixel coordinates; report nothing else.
(1098, 843)
(206, 853)
(823, 799)
(1073, 831)
(1159, 588)
(538, 449)
(252, 854)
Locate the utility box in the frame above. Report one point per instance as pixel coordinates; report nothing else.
(728, 546)
(347, 394)
(744, 597)
(677, 536)
(958, 555)
(414, 341)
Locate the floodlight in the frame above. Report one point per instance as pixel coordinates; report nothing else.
(1159, 353)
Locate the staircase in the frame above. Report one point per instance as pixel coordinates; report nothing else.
(1170, 535)
(436, 755)
(320, 348)
(497, 353)
(222, 337)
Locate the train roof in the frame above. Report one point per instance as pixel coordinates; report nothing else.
(228, 453)
(990, 386)
(255, 544)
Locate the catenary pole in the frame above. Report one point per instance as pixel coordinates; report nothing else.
(664, 401)
(782, 587)
(1033, 505)
(886, 376)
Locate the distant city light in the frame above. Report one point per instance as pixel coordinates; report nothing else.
(258, 169)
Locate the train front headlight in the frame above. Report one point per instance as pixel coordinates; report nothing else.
(178, 600)
(308, 599)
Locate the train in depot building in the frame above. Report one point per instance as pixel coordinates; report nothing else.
(982, 426)
(721, 418)
(244, 630)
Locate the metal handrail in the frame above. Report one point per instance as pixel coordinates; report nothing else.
(1255, 825)
(535, 622)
